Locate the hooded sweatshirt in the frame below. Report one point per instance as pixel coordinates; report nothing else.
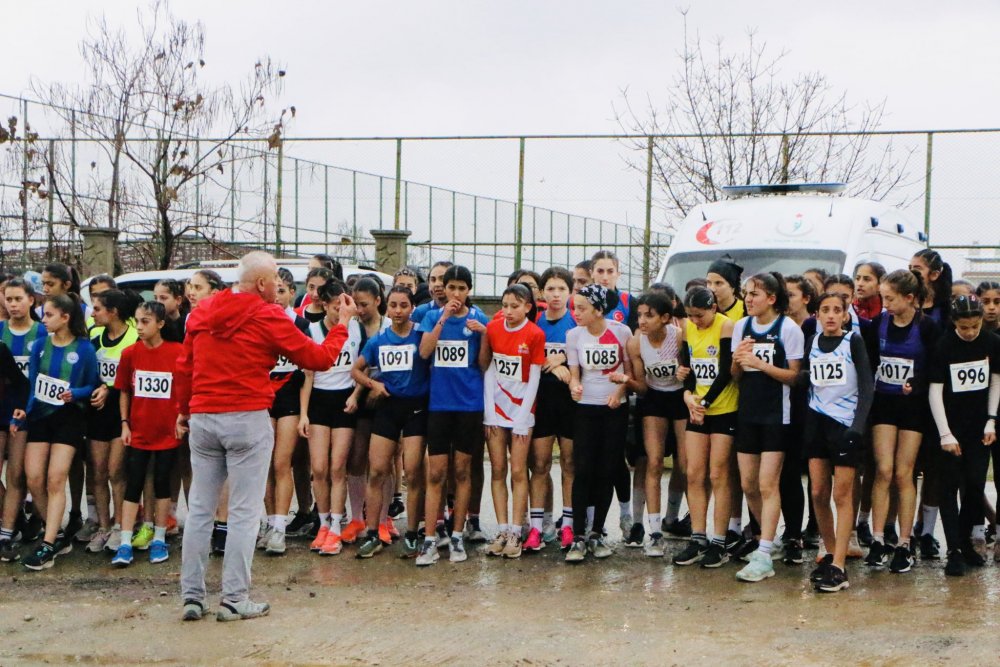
(233, 341)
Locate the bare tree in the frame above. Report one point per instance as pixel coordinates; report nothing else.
(734, 119)
(161, 129)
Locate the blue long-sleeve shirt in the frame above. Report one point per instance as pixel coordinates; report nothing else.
(75, 363)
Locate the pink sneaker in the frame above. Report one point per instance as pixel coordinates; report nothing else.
(566, 537)
(534, 541)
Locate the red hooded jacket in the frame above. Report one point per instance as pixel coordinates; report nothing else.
(233, 341)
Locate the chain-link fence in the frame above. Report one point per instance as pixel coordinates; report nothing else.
(493, 203)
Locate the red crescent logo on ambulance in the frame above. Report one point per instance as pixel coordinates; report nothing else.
(702, 234)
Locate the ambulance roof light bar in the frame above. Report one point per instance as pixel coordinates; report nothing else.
(783, 189)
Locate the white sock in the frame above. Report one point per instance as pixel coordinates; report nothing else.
(864, 517)
(356, 494)
(127, 537)
(638, 503)
(324, 520)
(280, 521)
(654, 524)
(270, 520)
(334, 522)
(456, 535)
(537, 518)
(625, 509)
(735, 525)
(117, 526)
(567, 516)
(930, 519)
(979, 532)
(504, 528)
(515, 530)
(159, 533)
(765, 547)
(674, 499)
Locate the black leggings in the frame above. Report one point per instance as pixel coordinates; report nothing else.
(136, 463)
(598, 453)
(965, 474)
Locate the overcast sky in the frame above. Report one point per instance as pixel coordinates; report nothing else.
(466, 67)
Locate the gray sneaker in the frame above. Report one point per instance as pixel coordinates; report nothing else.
(242, 611)
(599, 548)
(428, 554)
(577, 552)
(114, 540)
(549, 532)
(263, 537)
(456, 551)
(625, 523)
(193, 610)
(275, 544)
(655, 546)
(371, 546)
(98, 540)
(86, 534)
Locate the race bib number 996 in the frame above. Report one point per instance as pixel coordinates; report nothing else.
(970, 376)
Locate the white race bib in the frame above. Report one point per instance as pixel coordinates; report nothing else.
(829, 372)
(284, 365)
(764, 352)
(153, 384)
(970, 376)
(662, 370)
(507, 366)
(48, 389)
(343, 362)
(895, 370)
(396, 358)
(22, 363)
(108, 369)
(552, 349)
(600, 356)
(705, 370)
(451, 354)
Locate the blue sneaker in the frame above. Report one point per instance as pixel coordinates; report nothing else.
(123, 557)
(158, 551)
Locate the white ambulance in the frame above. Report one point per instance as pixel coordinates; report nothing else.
(790, 228)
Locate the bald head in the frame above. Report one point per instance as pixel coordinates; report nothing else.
(258, 273)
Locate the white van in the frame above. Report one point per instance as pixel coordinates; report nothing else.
(790, 228)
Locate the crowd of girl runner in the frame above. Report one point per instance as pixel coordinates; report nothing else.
(865, 384)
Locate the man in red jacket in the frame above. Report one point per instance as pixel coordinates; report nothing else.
(223, 389)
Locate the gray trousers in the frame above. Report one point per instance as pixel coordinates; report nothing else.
(237, 446)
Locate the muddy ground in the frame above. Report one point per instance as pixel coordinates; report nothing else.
(536, 610)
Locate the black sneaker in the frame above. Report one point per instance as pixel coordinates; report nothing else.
(878, 555)
(810, 537)
(991, 535)
(43, 558)
(819, 572)
(63, 544)
(299, 525)
(74, 524)
(715, 556)
(748, 547)
(891, 536)
(219, 541)
(930, 549)
(680, 528)
(692, 553)
(902, 560)
(734, 541)
(793, 551)
(396, 507)
(972, 557)
(835, 580)
(8, 554)
(865, 536)
(636, 536)
(955, 567)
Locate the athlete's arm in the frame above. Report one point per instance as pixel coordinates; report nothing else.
(287, 340)
(485, 353)
(725, 363)
(522, 419)
(866, 384)
(304, 393)
(637, 379)
(89, 378)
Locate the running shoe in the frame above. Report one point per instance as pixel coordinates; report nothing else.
(834, 580)
(264, 537)
(87, 532)
(534, 541)
(352, 531)
(456, 550)
(396, 508)
(902, 560)
(891, 536)
(300, 524)
(143, 537)
(734, 542)
(8, 552)
(219, 541)
(193, 610)
(114, 540)
(512, 548)
(972, 556)
(173, 528)
(979, 546)
(428, 554)
(241, 611)
(473, 534)
(496, 547)
(333, 545)
(75, 524)
(678, 528)
(577, 551)
(694, 552)
(317, 544)
(43, 558)
(778, 549)
(854, 549)
(759, 568)
(955, 567)
(635, 536)
(625, 523)
(878, 555)
(275, 545)
(599, 547)
(371, 545)
(384, 535)
(158, 552)
(864, 532)
(820, 571)
(33, 528)
(715, 556)
(991, 534)
(549, 531)
(810, 537)
(655, 548)
(745, 551)
(930, 549)
(410, 548)
(63, 544)
(793, 552)
(443, 535)
(97, 541)
(566, 537)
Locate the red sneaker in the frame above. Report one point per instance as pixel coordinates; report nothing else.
(534, 541)
(566, 537)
